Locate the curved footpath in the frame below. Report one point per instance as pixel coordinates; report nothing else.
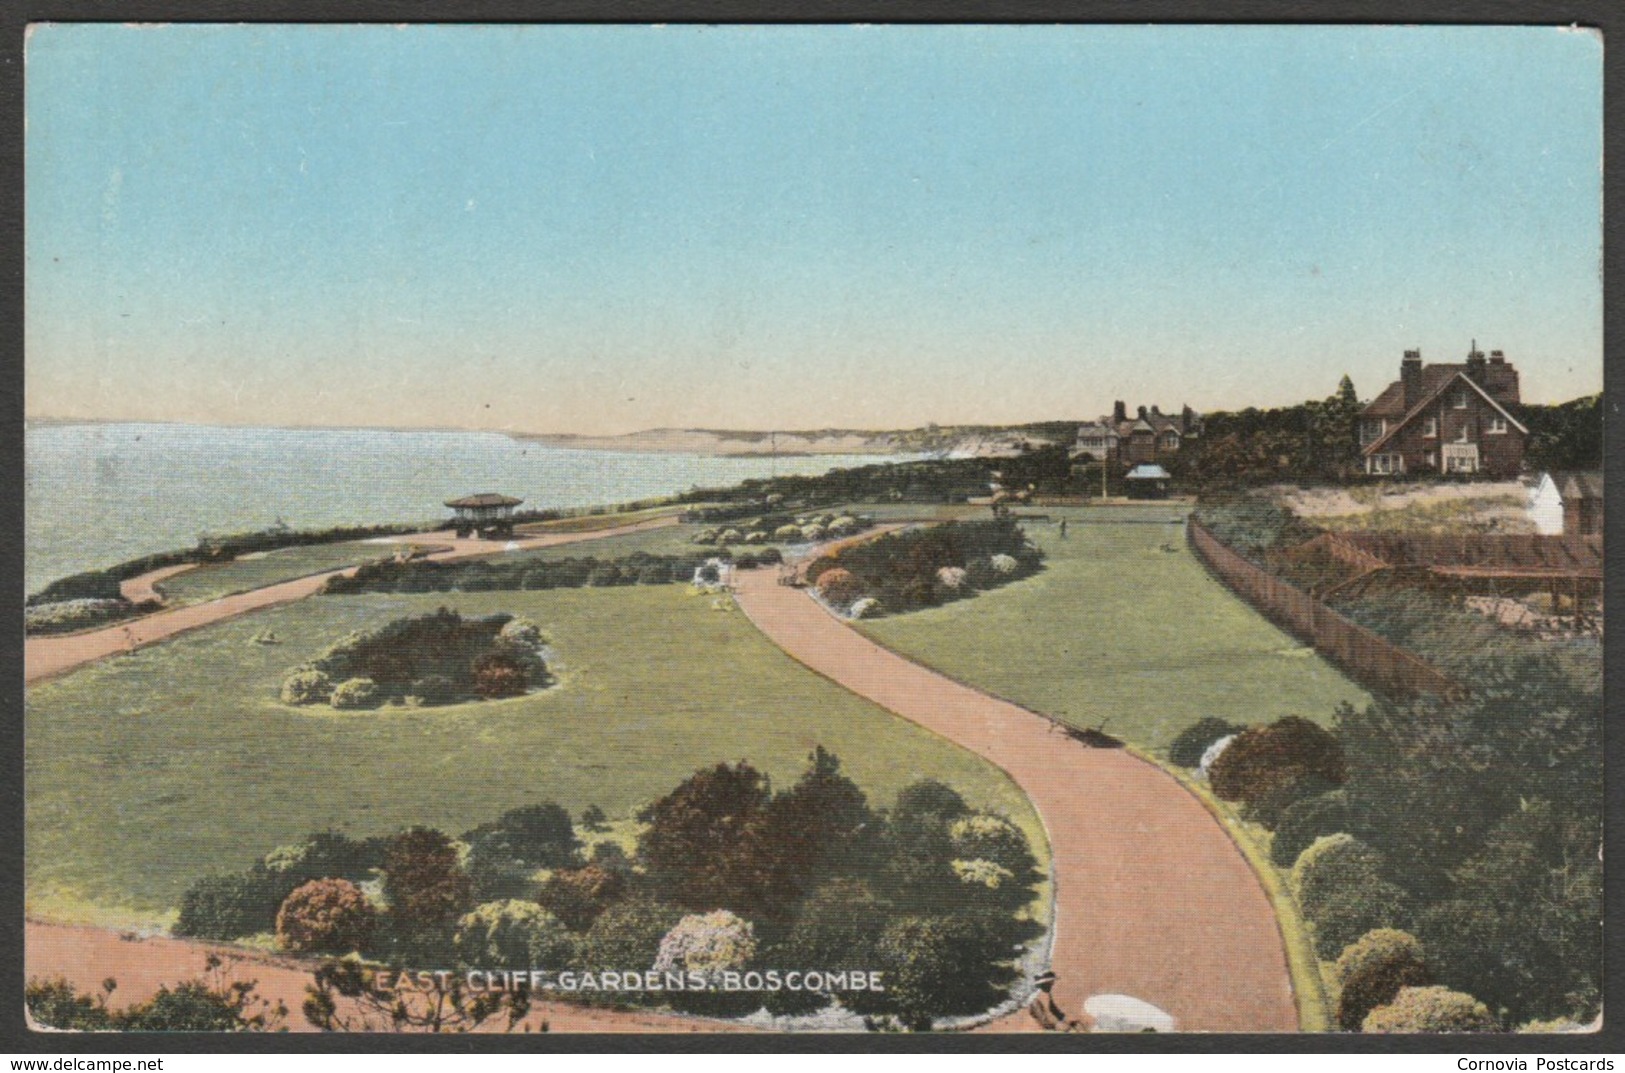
(1152, 898)
(48, 657)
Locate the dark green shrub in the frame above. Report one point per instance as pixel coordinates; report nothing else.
(55, 1004)
(539, 835)
(1306, 820)
(1372, 970)
(1188, 746)
(231, 906)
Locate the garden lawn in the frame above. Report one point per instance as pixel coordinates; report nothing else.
(148, 770)
(1123, 627)
(214, 580)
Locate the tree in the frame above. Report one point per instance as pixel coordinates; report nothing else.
(820, 827)
(593, 818)
(1431, 1009)
(326, 916)
(1372, 971)
(497, 675)
(231, 906)
(426, 888)
(703, 844)
(839, 924)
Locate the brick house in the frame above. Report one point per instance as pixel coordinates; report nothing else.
(1446, 418)
(1145, 438)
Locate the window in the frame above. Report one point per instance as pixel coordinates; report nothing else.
(1372, 430)
(1432, 458)
(1170, 440)
(1430, 427)
(1498, 426)
(1459, 400)
(1465, 435)
(1386, 464)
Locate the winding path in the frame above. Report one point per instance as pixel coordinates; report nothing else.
(1152, 898)
(47, 657)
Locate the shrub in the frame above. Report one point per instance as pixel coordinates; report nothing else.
(307, 687)
(498, 675)
(522, 631)
(730, 536)
(700, 845)
(593, 818)
(1004, 565)
(1331, 862)
(540, 835)
(1265, 759)
(1306, 820)
(812, 533)
(1187, 748)
(839, 922)
(981, 836)
(839, 587)
(1431, 1009)
(511, 932)
(65, 616)
(1342, 892)
(628, 933)
(1267, 808)
(1372, 970)
(355, 693)
(709, 944)
(229, 906)
(790, 534)
(434, 690)
(941, 966)
(329, 916)
(578, 896)
(951, 578)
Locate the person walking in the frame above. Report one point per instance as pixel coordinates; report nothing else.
(1063, 528)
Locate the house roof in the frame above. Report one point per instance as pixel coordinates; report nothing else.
(484, 499)
(1391, 403)
(1431, 397)
(1147, 471)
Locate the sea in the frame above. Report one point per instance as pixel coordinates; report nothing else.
(99, 494)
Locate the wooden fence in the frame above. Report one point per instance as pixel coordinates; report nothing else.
(1375, 663)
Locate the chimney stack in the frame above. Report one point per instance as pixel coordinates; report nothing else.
(1476, 364)
(1142, 413)
(1410, 379)
(1119, 412)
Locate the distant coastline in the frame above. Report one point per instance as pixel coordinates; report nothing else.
(689, 441)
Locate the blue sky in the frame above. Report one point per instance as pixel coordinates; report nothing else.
(600, 229)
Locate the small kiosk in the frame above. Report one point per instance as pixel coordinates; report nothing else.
(488, 515)
(1147, 481)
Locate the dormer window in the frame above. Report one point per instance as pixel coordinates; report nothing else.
(1459, 400)
(1371, 430)
(1430, 427)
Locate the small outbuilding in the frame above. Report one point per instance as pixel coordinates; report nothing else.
(488, 514)
(1567, 504)
(1147, 481)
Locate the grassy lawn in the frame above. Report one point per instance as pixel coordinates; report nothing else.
(214, 580)
(1122, 627)
(148, 770)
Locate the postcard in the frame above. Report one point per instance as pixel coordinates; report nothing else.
(1072, 529)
